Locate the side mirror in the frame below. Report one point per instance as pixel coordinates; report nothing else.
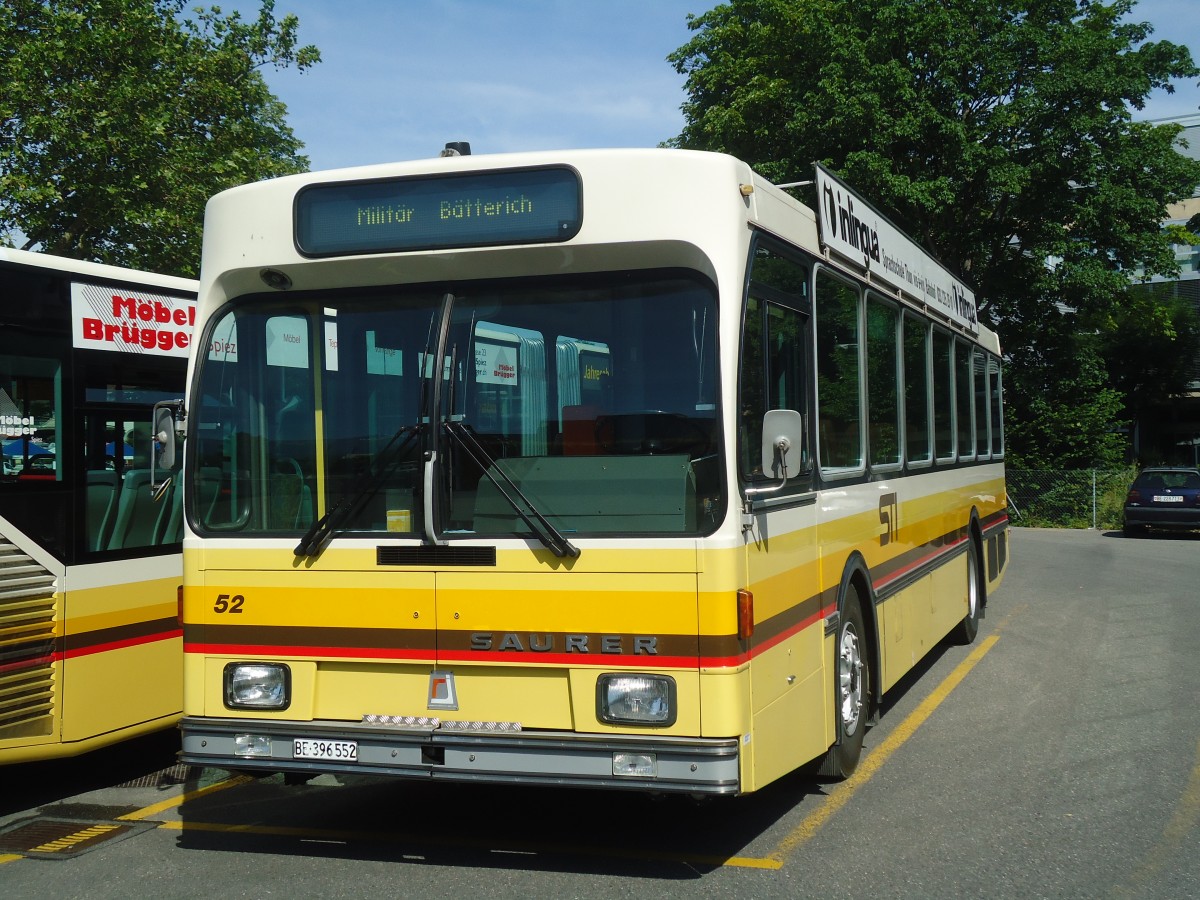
(162, 449)
(782, 443)
(164, 438)
(782, 447)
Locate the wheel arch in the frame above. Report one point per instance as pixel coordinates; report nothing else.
(856, 574)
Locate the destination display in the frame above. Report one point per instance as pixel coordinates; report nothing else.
(517, 206)
(851, 227)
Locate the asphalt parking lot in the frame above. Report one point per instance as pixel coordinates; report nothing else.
(1058, 756)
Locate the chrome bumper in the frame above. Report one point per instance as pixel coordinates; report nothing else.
(688, 765)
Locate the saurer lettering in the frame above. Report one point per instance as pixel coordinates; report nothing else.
(547, 642)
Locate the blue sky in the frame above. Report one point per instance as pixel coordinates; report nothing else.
(400, 78)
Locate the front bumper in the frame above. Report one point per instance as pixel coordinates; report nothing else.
(688, 765)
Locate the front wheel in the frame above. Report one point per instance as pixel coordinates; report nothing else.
(851, 692)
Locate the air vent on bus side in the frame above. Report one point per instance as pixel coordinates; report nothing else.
(27, 617)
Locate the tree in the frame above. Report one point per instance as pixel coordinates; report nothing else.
(119, 118)
(998, 132)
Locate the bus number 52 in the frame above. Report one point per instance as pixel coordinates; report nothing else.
(227, 604)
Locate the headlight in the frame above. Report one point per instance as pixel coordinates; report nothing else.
(635, 699)
(257, 686)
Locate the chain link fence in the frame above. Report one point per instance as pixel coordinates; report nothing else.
(1068, 498)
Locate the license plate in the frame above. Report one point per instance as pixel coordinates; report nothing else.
(1168, 498)
(342, 751)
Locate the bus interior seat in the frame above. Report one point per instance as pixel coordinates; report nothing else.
(291, 500)
(101, 505)
(208, 490)
(137, 513)
(169, 529)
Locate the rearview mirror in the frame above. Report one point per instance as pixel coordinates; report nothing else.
(782, 443)
(164, 438)
(782, 448)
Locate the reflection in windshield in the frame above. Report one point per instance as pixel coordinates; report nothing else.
(594, 396)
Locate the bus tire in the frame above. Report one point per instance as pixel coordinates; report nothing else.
(965, 631)
(851, 691)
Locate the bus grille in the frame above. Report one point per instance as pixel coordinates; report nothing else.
(27, 630)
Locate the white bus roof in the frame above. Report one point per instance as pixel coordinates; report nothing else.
(96, 271)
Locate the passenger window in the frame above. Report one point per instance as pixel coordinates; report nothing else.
(883, 374)
(963, 404)
(995, 407)
(774, 350)
(30, 418)
(943, 395)
(839, 382)
(916, 390)
(979, 376)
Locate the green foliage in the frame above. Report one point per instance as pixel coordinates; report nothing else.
(1150, 347)
(1069, 412)
(119, 118)
(1074, 498)
(999, 132)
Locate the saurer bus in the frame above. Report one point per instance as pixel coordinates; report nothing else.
(90, 570)
(610, 468)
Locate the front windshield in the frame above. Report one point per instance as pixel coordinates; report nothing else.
(595, 397)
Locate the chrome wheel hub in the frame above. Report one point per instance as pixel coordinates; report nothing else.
(850, 682)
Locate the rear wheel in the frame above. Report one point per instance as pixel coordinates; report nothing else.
(969, 626)
(851, 691)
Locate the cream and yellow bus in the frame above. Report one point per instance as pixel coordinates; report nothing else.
(90, 642)
(611, 468)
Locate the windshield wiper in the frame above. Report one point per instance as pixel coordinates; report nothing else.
(549, 536)
(322, 530)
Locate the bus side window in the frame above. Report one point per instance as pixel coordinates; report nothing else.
(101, 507)
(943, 395)
(883, 382)
(137, 513)
(839, 380)
(774, 350)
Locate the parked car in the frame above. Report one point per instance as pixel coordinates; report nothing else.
(1163, 498)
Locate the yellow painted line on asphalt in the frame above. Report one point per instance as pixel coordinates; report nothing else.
(147, 811)
(775, 860)
(144, 813)
(840, 796)
(79, 837)
(874, 761)
(1183, 823)
(1185, 817)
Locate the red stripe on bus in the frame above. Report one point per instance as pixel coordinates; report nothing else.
(29, 663)
(92, 649)
(924, 561)
(505, 656)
